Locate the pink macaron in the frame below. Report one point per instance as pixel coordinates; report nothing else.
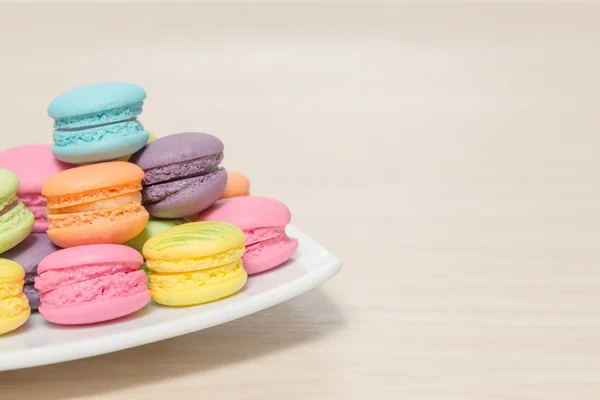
(92, 283)
(33, 164)
(263, 221)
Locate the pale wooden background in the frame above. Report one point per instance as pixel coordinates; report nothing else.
(447, 153)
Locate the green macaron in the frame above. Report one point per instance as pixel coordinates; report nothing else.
(16, 221)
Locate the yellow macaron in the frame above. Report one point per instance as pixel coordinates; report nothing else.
(195, 263)
(14, 307)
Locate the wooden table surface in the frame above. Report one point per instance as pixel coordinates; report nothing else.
(447, 153)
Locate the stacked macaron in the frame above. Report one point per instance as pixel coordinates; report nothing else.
(98, 122)
(181, 174)
(119, 202)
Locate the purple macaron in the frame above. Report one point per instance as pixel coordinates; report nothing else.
(29, 253)
(182, 174)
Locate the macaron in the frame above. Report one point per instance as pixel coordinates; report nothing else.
(90, 284)
(33, 164)
(16, 221)
(14, 307)
(154, 227)
(28, 254)
(237, 185)
(263, 221)
(182, 174)
(95, 204)
(98, 122)
(195, 263)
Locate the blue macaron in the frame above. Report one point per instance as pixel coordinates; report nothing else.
(98, 122)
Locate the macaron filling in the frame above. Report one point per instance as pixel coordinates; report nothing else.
(112, 203)
(159, 192)
(103, 288)
(114, 115)
(72, 199)
(9, 207)
(112, 131)
(184, 169)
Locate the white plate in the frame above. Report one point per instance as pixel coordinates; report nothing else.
(39, 342)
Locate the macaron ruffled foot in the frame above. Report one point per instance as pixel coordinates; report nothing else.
(14, 307)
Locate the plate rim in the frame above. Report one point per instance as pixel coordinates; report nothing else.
(40, 356)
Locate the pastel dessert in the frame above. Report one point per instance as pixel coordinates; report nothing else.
(195, 263)
(33, 164)
(98, 122)
(28, 254)
(182, 174)
(16, 221)
(237, 185)
(95, 204)
(154, 227)
(90, 284)
(263, 221)
(14, 307)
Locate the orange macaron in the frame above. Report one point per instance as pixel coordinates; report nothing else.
(95, 204)
(237, 185)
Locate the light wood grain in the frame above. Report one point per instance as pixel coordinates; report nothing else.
(447, 153)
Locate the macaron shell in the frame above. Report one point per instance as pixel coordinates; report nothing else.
(267, 255)
(98, 311)
(101, 230)
(16, 225)
(151, 137)
(186, 196)
(91, 177)
(153, 227)
(96, 97)
(237, 185)
(193, 241)
(33, 164)
(10, 271)
(31, 251)
(9, 183)
(248, 212)
(175, 148)
(88, 255)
